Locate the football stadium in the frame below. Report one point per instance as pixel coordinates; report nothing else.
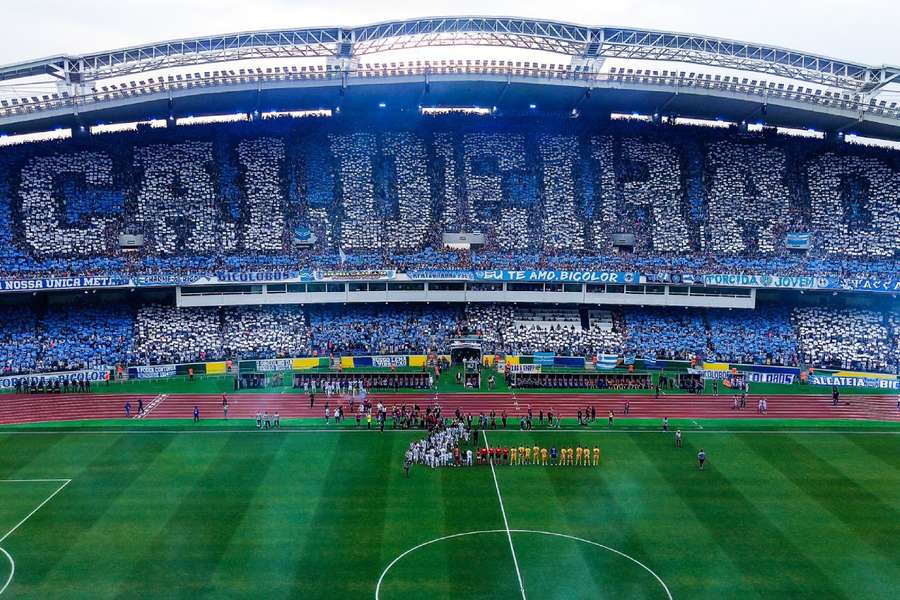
(570, 311)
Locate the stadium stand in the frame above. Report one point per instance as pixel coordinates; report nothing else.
(545, 194)
(85, 335)
(843, 338)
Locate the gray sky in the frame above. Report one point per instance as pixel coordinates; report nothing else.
(865, 30)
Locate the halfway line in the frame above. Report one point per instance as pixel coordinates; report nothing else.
(505, 523)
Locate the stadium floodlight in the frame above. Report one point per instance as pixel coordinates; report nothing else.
(532, 106)
(382, 105)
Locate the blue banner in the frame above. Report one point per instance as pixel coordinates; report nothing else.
(794, 282)
(873, 284)
(797, 241)
(544, 358)
(61, 283)
(779, 378)
(264, 276)
(557, 276)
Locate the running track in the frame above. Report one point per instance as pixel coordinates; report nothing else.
(63, 407)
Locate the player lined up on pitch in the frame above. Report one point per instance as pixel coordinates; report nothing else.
(538, 455)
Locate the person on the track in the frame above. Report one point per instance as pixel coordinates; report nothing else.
(610, 418)
(196, 414)
(128, 409)
(225, 405)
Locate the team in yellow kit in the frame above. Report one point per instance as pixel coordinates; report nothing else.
(537, 455)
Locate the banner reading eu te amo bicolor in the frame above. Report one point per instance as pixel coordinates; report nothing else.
(557, 276)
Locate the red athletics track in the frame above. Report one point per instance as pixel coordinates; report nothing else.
(36, 408)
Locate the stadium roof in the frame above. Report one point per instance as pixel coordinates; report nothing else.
(690, 75)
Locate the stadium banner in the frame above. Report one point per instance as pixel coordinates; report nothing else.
(263, 276)
(162, 280)
(572, 362)
(873, 284)
(390, 361)
(863, 374)
(512, 359)
(558, 276)
(779, 378)
(274, 364)
(216, 368)
(61, 283)
(417, 360)
(347, 362)
(458, 274)
(797, 241)
(299, 364)
(92, 375)
(353, 275)
(715, 366)
(792, 282)
(543, 358)
(872, 381)
(606, 361)
(151, 371)
(525, 369)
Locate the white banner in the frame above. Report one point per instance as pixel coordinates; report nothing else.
(154, 371)
(274, 364)
(525, 369)
(389, 361)
(87, 375)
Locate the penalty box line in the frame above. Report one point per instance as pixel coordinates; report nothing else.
(505, 522)
(12, 563)
(64, 483)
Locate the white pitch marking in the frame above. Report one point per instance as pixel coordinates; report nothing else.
(9, 557)
(506, 523)
(697, 424)
(39, 507)
(254, 431)
(12, 570)
(533, 531)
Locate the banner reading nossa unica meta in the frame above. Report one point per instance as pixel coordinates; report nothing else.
(772, 281)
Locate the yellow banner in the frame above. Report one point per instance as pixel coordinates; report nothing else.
(417, 360)
(715, 366)
(215, 368)
(304, 363)
(346, 362)
(865, 375)
(512, 360)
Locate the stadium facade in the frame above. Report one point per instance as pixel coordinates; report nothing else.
(492, 181)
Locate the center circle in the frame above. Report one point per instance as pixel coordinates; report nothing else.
(548, 562)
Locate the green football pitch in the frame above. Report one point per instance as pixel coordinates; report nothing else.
(319, 514)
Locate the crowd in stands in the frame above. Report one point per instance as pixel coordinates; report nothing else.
(845, 338)
(84, 335)
(545, 193)
(761, 336)
(667, 333)
(377, 329)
